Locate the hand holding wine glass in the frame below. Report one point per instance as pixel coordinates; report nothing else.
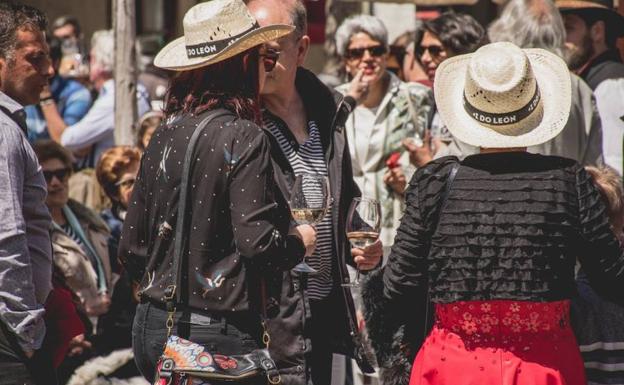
(309, 202)
(363, 226)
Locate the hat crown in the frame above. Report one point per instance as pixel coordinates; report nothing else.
(216, 20)
(499, 79)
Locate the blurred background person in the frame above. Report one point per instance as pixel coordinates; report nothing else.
(80, 248)
(116, 172)
(412, 69)
(592, 30)
(93, 134)
(147, 125)
(538, 24)
(388, 111)
(598, 320)
(73, 61)
(448, 35)
(78, 228)
(64, 102)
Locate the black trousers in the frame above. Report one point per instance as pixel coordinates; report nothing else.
(328, 326)
(230, 336)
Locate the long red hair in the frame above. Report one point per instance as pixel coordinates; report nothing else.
(232, 84)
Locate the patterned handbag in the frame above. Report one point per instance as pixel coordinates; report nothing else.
(185, 362)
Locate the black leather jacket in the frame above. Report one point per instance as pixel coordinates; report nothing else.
(289, 342)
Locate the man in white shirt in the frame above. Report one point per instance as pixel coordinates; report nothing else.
(94, 133)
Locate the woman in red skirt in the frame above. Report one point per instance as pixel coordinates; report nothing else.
(492, 240)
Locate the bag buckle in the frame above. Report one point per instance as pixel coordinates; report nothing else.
(266, 338)
(169, 294)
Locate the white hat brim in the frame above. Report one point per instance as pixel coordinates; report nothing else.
(173, 56)
(553, 79)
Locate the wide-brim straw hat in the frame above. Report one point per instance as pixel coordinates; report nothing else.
(214, 31)
(502, 96)
(602, 9)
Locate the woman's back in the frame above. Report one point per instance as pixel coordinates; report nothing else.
(231, 212)
(512, 227)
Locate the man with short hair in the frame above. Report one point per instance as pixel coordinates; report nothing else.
(25, 249)
(592, 28)
(67, 97)
(305, 122)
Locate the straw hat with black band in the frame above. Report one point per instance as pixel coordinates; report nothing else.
(598, 9)
(502, 96)
(214, 31)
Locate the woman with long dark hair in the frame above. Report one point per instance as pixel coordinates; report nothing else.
(236, 233)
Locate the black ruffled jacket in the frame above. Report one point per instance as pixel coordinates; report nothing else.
(512, 228)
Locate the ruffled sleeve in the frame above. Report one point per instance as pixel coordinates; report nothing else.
(405, 275)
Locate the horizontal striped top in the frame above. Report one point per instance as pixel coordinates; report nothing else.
(309, 158)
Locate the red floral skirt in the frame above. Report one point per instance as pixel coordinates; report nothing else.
(500, 343)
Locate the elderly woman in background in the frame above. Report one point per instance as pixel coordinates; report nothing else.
(388, 111)
(116, 172)
(538, 24)
(79, 236)
(448, 35)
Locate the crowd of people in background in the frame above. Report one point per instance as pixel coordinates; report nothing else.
(73, 288)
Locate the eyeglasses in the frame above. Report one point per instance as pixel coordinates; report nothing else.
(269, 59)
(435, 51)
(61, 174)
(126, 183)
(358, 53)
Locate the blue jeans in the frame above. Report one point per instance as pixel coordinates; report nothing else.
(231, 336)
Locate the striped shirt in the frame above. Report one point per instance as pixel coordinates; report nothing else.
(309, 157)
(72, 234)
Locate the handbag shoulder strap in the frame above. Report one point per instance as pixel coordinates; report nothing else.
(436, 222)
(173, 293)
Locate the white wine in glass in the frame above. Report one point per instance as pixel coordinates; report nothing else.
(309, 202)
(363, 226)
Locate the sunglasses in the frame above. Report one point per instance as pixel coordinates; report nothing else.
(61, 174)
(269, 59)
(434, 50)
(126, 183)
(358, 53)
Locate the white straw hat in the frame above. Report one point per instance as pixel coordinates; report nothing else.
(502, 96)
(214, 31)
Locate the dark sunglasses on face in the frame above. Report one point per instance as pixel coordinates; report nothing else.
(358, 53)
(60, 174)
(269, 59)
(434, 50)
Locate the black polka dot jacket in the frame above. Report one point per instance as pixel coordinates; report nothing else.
(234, 231)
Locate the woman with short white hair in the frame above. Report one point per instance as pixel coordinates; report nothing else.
(388, 111)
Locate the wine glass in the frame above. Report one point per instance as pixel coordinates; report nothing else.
(363, 225)
(309, 202)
